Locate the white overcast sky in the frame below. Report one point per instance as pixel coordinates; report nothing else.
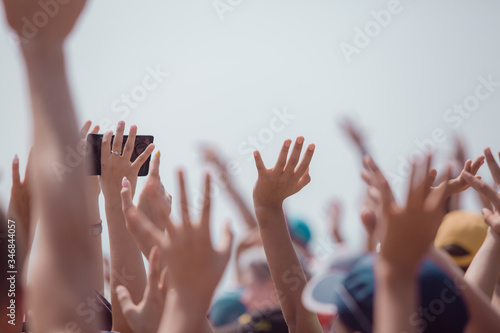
(227, 76)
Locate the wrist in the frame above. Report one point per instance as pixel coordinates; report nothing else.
(493, 239)
(42, 50)
(267, 206)
(390, 273)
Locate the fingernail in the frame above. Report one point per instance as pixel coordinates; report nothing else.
(121, 123)
(16, 159)
(158, 154)
(300, 139)
(288, 142)
(312, 147)
(125, 182)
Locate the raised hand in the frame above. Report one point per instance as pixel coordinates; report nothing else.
(491, 194)
(335, 216)
(211, 156)
(355, 134)
(273, 186)
(286, 178)
(492, 165)
(480, 186)
(21, 200)
(459, 184)
(145, 317)
(484, 270)
(187, 250)
(57, 26)
(410, 229)
(116, 164)
(154, 201)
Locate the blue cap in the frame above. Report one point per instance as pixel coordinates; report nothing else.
(348, 288)
(227, 308)
(299, 231)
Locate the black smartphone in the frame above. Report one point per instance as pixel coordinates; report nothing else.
(94, 142)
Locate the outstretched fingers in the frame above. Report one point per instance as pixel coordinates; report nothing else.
(146, 234)
(137, 164)
(259, 163)
(205, 213)
(492, 165)
(186, 220)
(130, 144)
(483, 188)
(281, 162)
(118, 140)
(16, 176)
(294, 156)
(303, 167)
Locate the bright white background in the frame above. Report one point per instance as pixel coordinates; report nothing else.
(227, 76)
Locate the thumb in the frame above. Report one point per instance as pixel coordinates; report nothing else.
(126, 194)
(154, 170)
(125, 300)
(487, 214)
(227, 240)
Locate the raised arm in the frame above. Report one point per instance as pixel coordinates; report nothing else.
(406, 236)
(223, 174)
(62, 273)
(127, 266)
(94, 223)
(194, 266)
(484, 270)
(273, 186)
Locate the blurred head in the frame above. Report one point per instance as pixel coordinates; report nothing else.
(299, 231)
(350, 295)
(259, 293)
(227, 308)
(461, 234)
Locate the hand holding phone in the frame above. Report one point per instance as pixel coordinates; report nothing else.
(94, 143)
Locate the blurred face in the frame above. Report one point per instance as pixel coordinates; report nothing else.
(258, 295)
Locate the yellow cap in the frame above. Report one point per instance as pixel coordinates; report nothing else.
(465, 229)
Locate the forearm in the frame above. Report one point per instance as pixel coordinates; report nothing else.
(63, 242)
(127, 267)
(395, 301)
(495, 301)
(484, 269)
(96, 249)
(50, 95)
(285, 268)
(183, 314)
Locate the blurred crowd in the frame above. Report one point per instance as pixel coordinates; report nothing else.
(426, 265)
